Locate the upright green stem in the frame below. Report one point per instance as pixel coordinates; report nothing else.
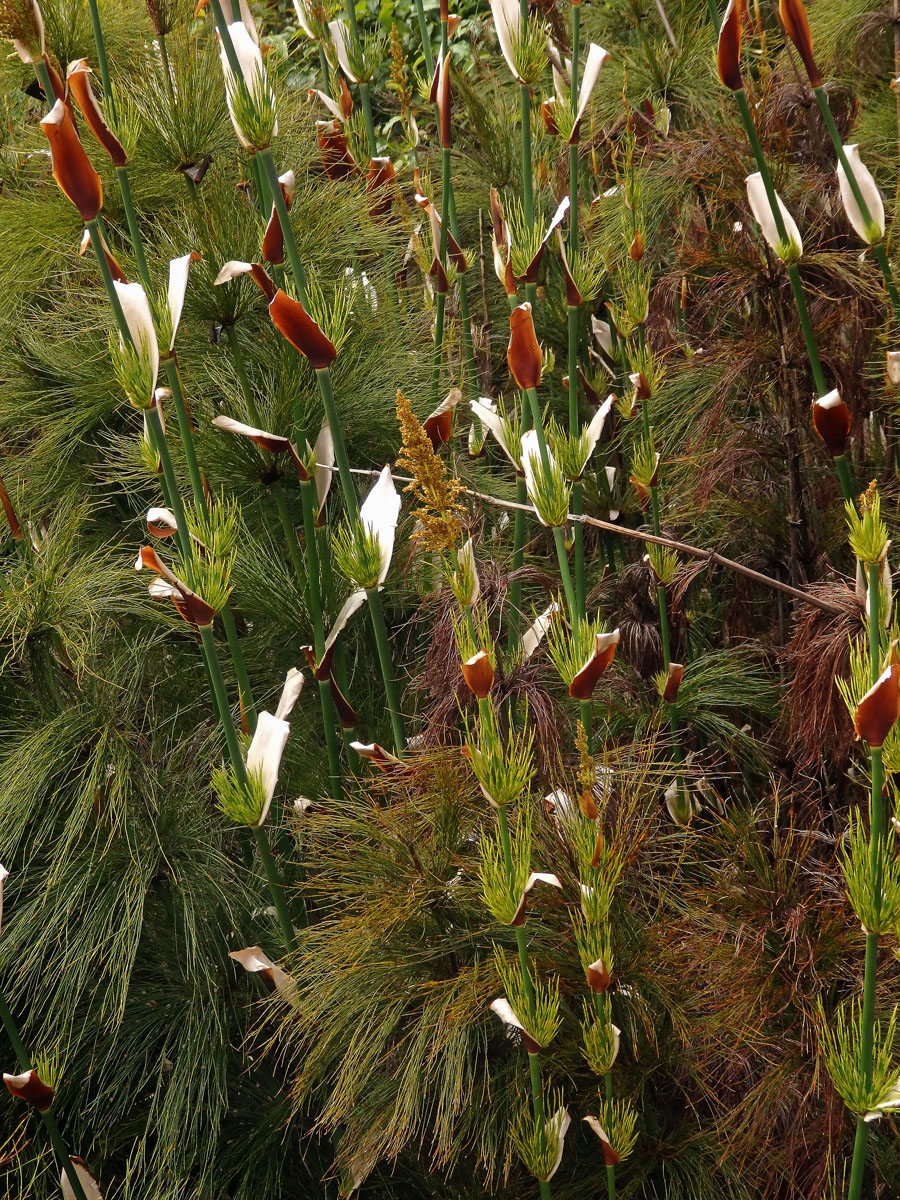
(441, 299)
(876, 849)
(527, 183)
(323, 378)
(24, 1060)
(880, 254)
(329, 718)
(364, 95)
(791, 269)
(137, 243)
(102, 61)
(426, 38)
(43, 76)
(534, 1062)
(237, 762)
(610, 1171)
(392, 692)
(573, 149)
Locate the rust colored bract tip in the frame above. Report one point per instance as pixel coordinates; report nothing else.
(77, 179)
(796, 24)
(831, 421)
(879, 708)
(523, 353)
(78, 78)
(479, 674)
(31, 1088)
(582, 686)
(292, 320)
(729, 48)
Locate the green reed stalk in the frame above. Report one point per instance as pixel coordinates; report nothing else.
(43, 78)
(245, 688)
(323, 378)
(102, 60)
(276, 888)
(364, 95)
(793, 274)
(876, 831)
(56, 1140)
(426, 38)
(170, 365)
(441, 297)
(662, 605)
(210, 655)
(534, 1061)
(329, 717)
(880, 253)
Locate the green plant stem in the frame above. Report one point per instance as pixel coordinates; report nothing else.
(227, 43)
(173, 378)
(880, 254)
(610, 1171)
(102, 61)
(97, 244)
(441, 298)
(876, 829)
(364, 95)
(844, 476)
(237, 762)
(43, 78)
(574, 429)
(137, 243)
(527, 183)
(558, 535)
(791, 269)
(167, 72)
(323, 378)
(24, 1060)
(329, 717)
(426, 38)
(534, 1062)
(573, 149)
(392, 692)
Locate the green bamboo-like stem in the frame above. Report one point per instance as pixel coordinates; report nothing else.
(440, 303)
(880, 254)
(97, 245)
(43, 78)
(534, 1062)
(392, 692)
(276, 887)
(426, 38)
(573, 148)
(137, 243)
(844, 476)
(610, 1171)
(364, 94)
(102, 60)
(876, 830)
(527, 183)
(173, 377)
(441, 299)
(558, 535)
(664, 625)
(574, 428)
(167, 70)
(791, 269)
(227, 43)
(323, 378)
(329, 717)
(24, 1060)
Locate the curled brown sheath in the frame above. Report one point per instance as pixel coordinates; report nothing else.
(831, 421)
(77, 179)
(796, 24)
(292, 320)
(729, 48)
(523, 354)
(78, 78)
